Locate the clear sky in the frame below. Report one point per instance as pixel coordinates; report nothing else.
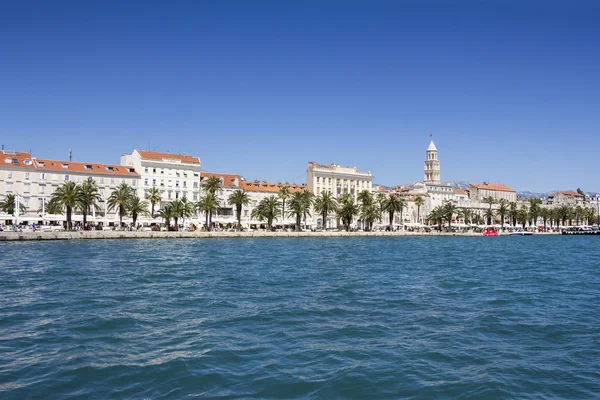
(509, 89)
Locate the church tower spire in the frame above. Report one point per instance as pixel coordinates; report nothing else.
(432, 165)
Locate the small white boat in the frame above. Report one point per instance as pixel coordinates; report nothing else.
(521, 233)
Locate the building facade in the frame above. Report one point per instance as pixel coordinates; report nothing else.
(566, 198)
(34, 180)
(337, 179)
(432, 173)
(175, 175)
(479, 192)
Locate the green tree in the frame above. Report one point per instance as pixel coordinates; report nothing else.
(325, 204)
(393, 204)
(119, 199)
(298, 206)
(489, 200)
(309, 198)
(181, 208)
(154, 197)
(513, 213)
(466, 214)
(8, 204)
(284, 193)
(137, 207)
(523, 215)
(166, 213)
(370, 213)
(268, 209)
(419, 201)
(503, 210)
(437, 217)
(88, 196)
(534, 209)
(212, 185)
(65, 197)
(239, 199)
(208, 204)
(347, 210)
(448, 211)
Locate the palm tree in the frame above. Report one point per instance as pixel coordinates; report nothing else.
(8, 204)
(208, 204)
(419, 201)
(489, 200)
(347, 210)
(299, 206)
(119, 199)
(513, 213)
(370, 213)
(448, 211)
(523, 215)
(503, 209)
(466, 214)
(268, 209)
(154, 197)
(284, 193)
(578, 212)
(437, 217)
(393, 204)
(88, 197)
(239, 198)
(546, 214)
(212, 185)
(534, 209)
(324, 204)
(166, 213)
(137, 207)
(65, 197)
(309, 198)
(181, 208)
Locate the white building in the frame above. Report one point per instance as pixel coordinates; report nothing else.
(438, 193)
(34, 180)
(479, 192)
(566, 198)
(337, 180)
(175, 175)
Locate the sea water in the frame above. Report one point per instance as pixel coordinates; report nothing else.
(405, 317)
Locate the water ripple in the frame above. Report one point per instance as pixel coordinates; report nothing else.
(413, 318)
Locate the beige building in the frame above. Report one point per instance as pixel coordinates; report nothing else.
(566, 198)
(337, 179)
(478, 192)
(175, 175)
(33, 180)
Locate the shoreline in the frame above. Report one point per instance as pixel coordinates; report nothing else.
(113, 235)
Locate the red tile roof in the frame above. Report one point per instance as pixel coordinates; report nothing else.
(493, 186)
(569, 193)
(154, 155)
(270, 187)
(17, 159)
(84, 167)
(382, 190)
(460, 191)
(228, 179)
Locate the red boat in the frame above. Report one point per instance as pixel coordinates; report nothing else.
(491, 231)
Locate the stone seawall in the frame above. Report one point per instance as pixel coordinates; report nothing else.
(23, 236)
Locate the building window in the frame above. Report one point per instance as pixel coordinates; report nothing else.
(26, 175)
(42, 189)
(26, 201)
(134, 183)
(9, 187)
(67, 177)
(26, 188)
(146, 182)
(154, 170)
(176, 183)
(146, 170)
(9, 174)
(43, 177)
(253, 203)
(195, 196)
(176, 195)
(245, 213)
(112, 181)
(101, 180)
(195, 185)
(162, 170)
(169, 195)
(184, 183)
(153, 182)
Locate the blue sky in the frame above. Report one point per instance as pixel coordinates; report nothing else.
(509, 89)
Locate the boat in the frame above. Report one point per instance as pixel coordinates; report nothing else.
(582, 231)
(491, 231)
(521, 233)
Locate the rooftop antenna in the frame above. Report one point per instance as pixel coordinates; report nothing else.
(70, 155)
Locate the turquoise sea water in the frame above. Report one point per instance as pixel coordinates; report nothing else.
(424, 317)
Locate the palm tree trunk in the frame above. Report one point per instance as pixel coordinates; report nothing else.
(210, 220)
(324, 219)
(391, 220)
(69, 224)
(298, 221)
(152, 210)
(84, 211)
(239, 217)
(206, 223)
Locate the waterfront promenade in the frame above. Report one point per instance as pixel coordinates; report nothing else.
(75, 235)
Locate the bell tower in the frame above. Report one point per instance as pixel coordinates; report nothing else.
(432, 166)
